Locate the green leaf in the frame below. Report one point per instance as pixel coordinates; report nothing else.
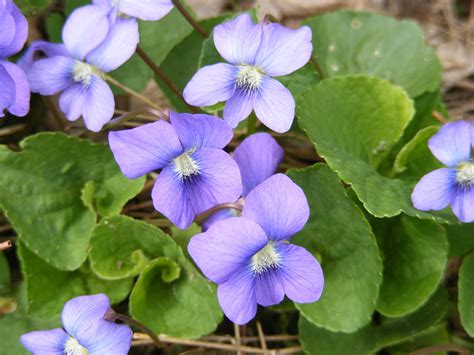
(122, 247)
(71, 5)
(466, 290)
(48, 288)
(41, 190)
(373, 337)
(14, 325)
(460, 238)
(354, 122)
(182, 237)
(33, 7)
(5, 276)
(435, 335)
(170, 292)
(183, 61)
(54, 26)
(349, 42)
(338, 231)
(415, 158)
(415, 254)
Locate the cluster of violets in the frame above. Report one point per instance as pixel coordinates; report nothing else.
(245, 251)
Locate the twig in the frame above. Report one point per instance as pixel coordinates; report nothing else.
(132, 92)
(204, 215)
(111, 315)
(261, 336)
(5, 245)
(438, 117)
(441, 348)
(237, 338)
(190, 19)
(163, 77)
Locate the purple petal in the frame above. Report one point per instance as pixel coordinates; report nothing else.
(226, 247)
(21, 104)
(141, 150)
(239, 107)
(81, 313)
(118, 47)
(181, 199)
(148, 10)
(85, 29)
(435, 190)
(279, 206)
(258, 157)
(20, 30)
(211, 84)
(219, 216)
(451, 145)
(109, 338)
(300, 274)
(72, 101)
(8, 92)
(201, 131)
(50, 76)
(237, 296)
(7, 27)
(268, 288)
(274, 105)
(283, 50)
(45, 342)
(238, 40)
(99, 105)
(463, 204)
(39, 50)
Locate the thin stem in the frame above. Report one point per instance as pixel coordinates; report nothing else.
(441, 348)
(133, 93)
(204, 215)
(131, 115)
(251, 124)
(261, 336)
(316, 66)
(438, 117)
(111, 315)
(163, 77)
(237, 338)
(6, 245)
(190, 19)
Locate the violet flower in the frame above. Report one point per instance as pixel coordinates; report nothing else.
(14, 87)
(258, 157)
(148, 10)
(256, 52)
(454, 185)
(196, 173)
(85, 331)
(94, 47)
(249, 256)
(38, 50)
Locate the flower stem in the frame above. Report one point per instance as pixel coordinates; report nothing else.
(111, 315)
(251, 124)
(5, 245)
(190, 19)
(204, 215)
(316, 66)
(132, 92)
(131, 115)
(163, 77)
(438, 117)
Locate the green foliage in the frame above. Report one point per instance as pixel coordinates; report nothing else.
(415, 254)
(354, 135)
(373, 337)
(5, 276)
(339, 233)
(42, 189)
(33, 7)
(466, 288)
(349, 42)
(48, 288)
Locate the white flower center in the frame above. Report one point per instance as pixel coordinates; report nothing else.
(465, 173)
(186, 166)
(249, 77)
(73, 347)
(265, 259)
(83, 72)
